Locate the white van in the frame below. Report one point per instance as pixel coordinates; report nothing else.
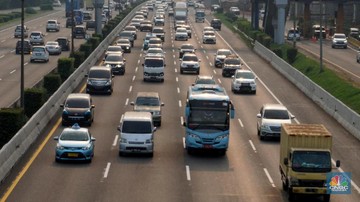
(154, 68)
(136, 133)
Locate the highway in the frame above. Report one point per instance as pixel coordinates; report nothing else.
(248, 172)
(10, 64)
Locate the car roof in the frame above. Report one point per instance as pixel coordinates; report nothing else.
(147, 94)
(137, 116)
(190, 54)
(79, 95)
(274, 106)
(101, 67)
(205, 77)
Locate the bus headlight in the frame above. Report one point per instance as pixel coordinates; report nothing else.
(221, 137)
(197, 138)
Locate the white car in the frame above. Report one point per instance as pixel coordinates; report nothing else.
(155, 52)
(53, 47)
(52, 25)
(39, 53)
(36, 37)
(209, 37)
(208, 29)
(181, 34)
(339, 40)
(104, 19)
(243, 80)
(270, 118)
(190, 63)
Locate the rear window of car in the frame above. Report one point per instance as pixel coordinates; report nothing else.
(38, 49)
(232, 61)
(35, 34)
(136, 127)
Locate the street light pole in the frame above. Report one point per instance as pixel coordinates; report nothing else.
(22, 57)
(72, 27)
(321, 37)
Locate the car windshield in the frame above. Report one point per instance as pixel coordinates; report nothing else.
(205, 81)
(276, 114)
(147, 101)
(99, 74)
(125, 34)
(114, 48)
(50, 43)
(181, 30)
(51, 22)
(35, 34)
(245, 75)
(209, 33)
(77, 103)
(136, 127)
(190, 58)
(74, 136)
(153, 63)
(114, 58)
(232, 61)
(38, 49)
(130, 28)
(339, 36)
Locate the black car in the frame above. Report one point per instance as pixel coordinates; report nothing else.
(64, 42)
(216, 24)
(99, 80)
(27, 47)
(186, 48)
(91, 24)
(79, 31)
(78, 108)
(69, 22)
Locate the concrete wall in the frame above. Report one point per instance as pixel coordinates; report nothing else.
(27, 135)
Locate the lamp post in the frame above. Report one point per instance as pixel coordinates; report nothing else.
(321, 36)
(72, 27)
(22, 57)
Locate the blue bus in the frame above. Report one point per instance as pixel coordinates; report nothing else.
(79, 17)
(208, 112)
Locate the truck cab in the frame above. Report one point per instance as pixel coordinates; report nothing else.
(200, 15)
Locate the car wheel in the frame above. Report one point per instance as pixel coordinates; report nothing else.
(181, 71)
(151, 154)
(254, 92)
(57, 160)
(222, 152)
(190, 151)
(121, 153)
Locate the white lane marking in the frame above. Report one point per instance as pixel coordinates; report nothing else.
(0, 79)
(136, 69)
(175, 70)
(173, 50)
(177, 79)
(115, 140)
(130, 89)
(127, 101)
(12, 51)
(180, 103)
(187, 172)
(2, 41)
(107, 169)
(174, 62)
(252, 146)
(174, 56)
(2, 56)
(219, 81)
(184, 143)
(214, 71)
(26, 63)
(13, 71)
(178, 90)
(139, 61)
(181, 120)
(210, 64)
(133, 79)
(269, 177)
(241, 124)
(352, 182)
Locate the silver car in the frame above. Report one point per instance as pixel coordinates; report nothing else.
(53, 47)
(149, 102)
(39, 53)
(36, 37)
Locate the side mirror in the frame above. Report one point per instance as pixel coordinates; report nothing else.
(132, 103)
(164, 65)
(337, 163)
(86, 75)
(118, 128)
(93, 139)
(199, 60)
(61, 105)
(292, 116)
(184, 123)
(112, 75)
(286, 161)
(56, 138)
(103, 59)
(258, 115)
(162, 104)
(142, 64)
(92, 106)
(154, 129)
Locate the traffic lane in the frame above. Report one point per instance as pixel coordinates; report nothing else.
(298, 104)
(8, 40)
(341, 59)
(33, 72)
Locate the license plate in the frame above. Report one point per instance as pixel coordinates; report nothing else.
(208, 146)
(73, 154)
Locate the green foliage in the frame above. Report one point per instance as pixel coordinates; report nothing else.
(46, 7)
(94, 41)
(52, 82)
(86, 48)
(34, 98)
(79, 58)
(11, 121)
(30, 10)
(291, 54)
(231, 16)
(65, 67)
(278, 52)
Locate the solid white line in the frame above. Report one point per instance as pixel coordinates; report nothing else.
(219, 81)
(127, 101)
(184, 143)
(181, 120)
(180, 103)
(188, 173)
(2, 56)
(252, 145)
(177, 79)
(115, 140)
(178, 89)
(207, 57)
(269, 177)
(107, 169)
(130, 89)
(13, 71)
(352, 182)
(241, 124)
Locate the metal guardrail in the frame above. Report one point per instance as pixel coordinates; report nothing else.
(27, 135)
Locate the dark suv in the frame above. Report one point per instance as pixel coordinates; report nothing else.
(99, 80)
(216, 24)
(27, 47)
(91, 24)
(69, 22)
(79, 31)
(78, 108)
(64, 42)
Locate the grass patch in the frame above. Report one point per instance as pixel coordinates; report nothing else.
(329, 80)
(27, 17)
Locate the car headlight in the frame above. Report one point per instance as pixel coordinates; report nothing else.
(238, 82)
(59, 146)
(294, 181)
(221, 137)
(89, 82)
(345, 41)
(196, 65)
(197, 138)
(108, 65)
(88, 113)
(87, 147)
(148, 141)
(108, 83)
(183, 65)
(65, 112)
(265, 127)
(156, 113)
(123, 140)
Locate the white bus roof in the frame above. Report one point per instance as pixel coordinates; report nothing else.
(207, 92)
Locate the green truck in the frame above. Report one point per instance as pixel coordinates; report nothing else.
(305, 159)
